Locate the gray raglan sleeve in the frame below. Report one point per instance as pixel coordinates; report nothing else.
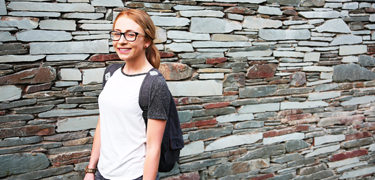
(159, 100)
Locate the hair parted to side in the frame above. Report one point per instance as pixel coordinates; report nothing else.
(143, 19)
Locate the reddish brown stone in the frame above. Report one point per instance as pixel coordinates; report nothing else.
(27, 131)
(104, 57)
(359, 85)
(370, 49)
(230, 93)
(285, 131)
(216, 60)
(68, 156)
(346, 155)
(358, 136)
(261, 71)
(175, 71)
(298, 79)
(370, 10)
(205, 123)
(187, 125)
(2, 113)
(279, 81)
(239, 10)
(290, 12)
(216, 105)
(219, 4)
(188, 100)
(166, 54)
(237, 151)
(73, 161)
(187, 176)
(31, 76)
(36, 88)
(263, 177)
(258, 62)
(290, 112)
(298, 116)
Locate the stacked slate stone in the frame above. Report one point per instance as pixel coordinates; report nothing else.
(266, 89)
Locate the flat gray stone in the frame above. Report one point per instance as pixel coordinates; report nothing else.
(257, 108)
(19, 23)
(10, 118)
(234, 140)
(235, 16)
(35, 14)
(324, 95)
(234, 118)
(346, 39)
(67, 25)
(3, 8)
(294, 145)
(365, 60)
(196, 88)
(10, 92)
(16, 141)
(6, 36)
(92, 76)
(204, 13)
(323, 150)
(352, 72)
(170, 21)
(250, 53)
(358, 172)
(70, 74)
(359, 100)
(192, 148)
(17, 103)
(105, 27)
(228, 37)
(20, 58)
(69, 57)
(335, 26)
(320, 14)
(253, 22)
(77, 124)
(269, 10)
(282, 138)
(33, 109)
(42, 35)
(99, 46)
(288, 54)
(197, 55)
(343, 162)
(328, 139)
(185, 8)
(179, 47)
(22, 163)
(208, 44)
(67, 113)
(83, 15)
(107, 3)
(213, 25)
(263, 152)
(270, 34)
(257, 91)
(249, 124)
(350, 5)
(45, 173)
(354, 49)
(187, 35)
(51, 7)
(210, 133)
(302, 105)
(285, 2)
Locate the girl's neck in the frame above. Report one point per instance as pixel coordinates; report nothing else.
(137, 67)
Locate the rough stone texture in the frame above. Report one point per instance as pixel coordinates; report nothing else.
(22, 163)
(353, 72)
(31, 76)
(265, 89)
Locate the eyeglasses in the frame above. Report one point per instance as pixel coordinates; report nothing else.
(129, 36)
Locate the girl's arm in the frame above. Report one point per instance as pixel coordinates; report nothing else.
(95, 153)
(155, 132)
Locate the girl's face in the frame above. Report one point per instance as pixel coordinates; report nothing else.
(130, 50)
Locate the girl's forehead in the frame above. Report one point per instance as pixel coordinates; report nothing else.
(125, 23)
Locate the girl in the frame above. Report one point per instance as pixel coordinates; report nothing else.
(122, 148)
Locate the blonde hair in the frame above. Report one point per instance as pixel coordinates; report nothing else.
(143, 19)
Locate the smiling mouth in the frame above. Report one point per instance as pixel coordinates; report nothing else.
(123, 50)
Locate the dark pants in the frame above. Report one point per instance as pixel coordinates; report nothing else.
(98, 176)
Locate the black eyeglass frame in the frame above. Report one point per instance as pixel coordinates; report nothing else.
(123, 34)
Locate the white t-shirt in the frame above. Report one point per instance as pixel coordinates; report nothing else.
(122, 128)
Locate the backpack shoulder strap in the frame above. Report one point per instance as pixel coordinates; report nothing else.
(109, 72)
(145, 91)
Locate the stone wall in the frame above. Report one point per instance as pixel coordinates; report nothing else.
(266, 89)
